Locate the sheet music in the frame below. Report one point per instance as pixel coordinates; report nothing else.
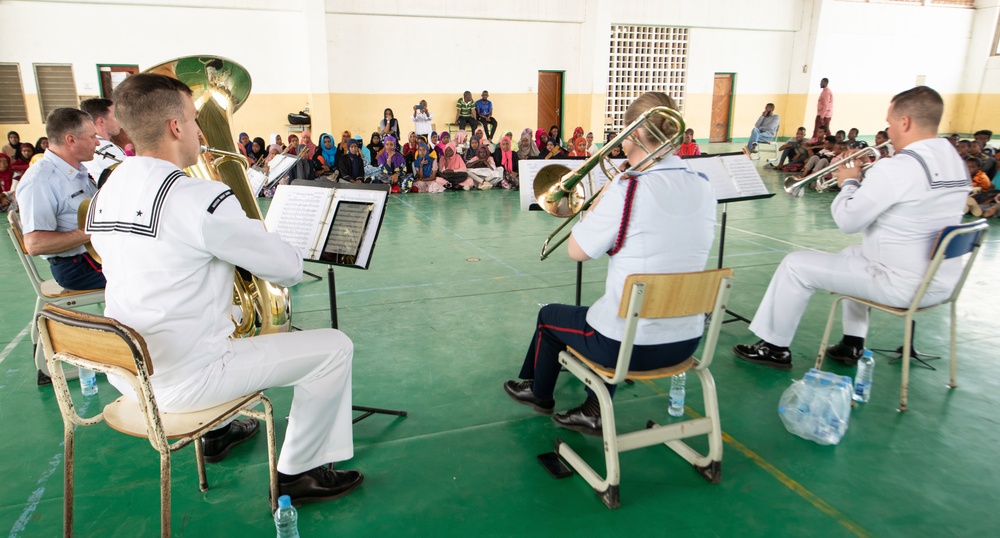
(279, 165)
(718, 176)
(257, 179)
(744, 175)
(350, 221)
(299, 215)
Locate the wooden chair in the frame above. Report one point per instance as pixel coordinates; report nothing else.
(953, 242)
(656, 296)
(46, 291)
(106, 346)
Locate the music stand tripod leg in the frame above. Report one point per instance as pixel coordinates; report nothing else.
(365, 411)
(918, 357)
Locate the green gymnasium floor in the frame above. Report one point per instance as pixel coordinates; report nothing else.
(442, 318)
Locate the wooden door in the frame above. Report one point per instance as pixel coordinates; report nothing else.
(722, 107)
(549, 99)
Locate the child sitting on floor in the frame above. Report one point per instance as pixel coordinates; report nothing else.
(689, 147)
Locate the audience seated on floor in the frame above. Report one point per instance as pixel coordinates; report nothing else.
(852, 140)
(989, 164)
(483, 170)
(506, 159)
(792, 151)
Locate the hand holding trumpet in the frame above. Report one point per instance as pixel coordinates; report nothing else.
(851, 169)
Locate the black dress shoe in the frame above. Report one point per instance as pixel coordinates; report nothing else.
(575, 419)
(320, 484)
(844, 353)
(521, 393)
(218, 447)
(766, 354)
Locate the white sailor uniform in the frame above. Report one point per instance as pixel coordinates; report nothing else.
(905, 202)
(169, 245)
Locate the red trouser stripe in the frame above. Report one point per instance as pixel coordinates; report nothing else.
(538, 342)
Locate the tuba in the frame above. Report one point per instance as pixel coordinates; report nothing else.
(220, 86)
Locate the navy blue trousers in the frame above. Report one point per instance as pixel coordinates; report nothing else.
(78, 272)
(561, 325)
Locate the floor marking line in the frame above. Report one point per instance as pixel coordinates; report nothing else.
(796, 245)
(780, 476)
(13, 343)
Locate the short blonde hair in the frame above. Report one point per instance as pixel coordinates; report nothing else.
(144, 103)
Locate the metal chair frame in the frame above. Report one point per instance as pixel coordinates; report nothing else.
(106, 346)
(953, 242)
(669, 295)
(47, 291)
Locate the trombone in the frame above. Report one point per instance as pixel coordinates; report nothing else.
(796, 186)
(558, 190)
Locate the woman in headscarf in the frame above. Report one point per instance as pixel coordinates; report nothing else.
(393, 166)
(461, 142)
(577, 133)
(22, 160)
(425, 169)
(276, 141)
(579, 147)
(258, 150)
(443, 142)
(483, 170)
(352, 164)
(375, 147)
(473, 149)
(540, 138)
(553, 150)
(388, 125)
(453, 170)
(325, 161)
(483, 141)
(506, 158)
(410, 150)
(554, 134)
(42, 145)
(6, 174)
(591, 147)
(310, 146)
(243, 144)
(526, 148)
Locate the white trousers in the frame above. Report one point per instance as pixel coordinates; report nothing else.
(316, 362)
(849, 273)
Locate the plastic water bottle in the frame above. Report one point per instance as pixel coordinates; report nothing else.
(286, 519)
(863, 379)
(677, 395)
(88, 382)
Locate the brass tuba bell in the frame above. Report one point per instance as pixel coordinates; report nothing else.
(220, 86)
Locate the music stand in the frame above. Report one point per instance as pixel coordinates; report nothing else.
(347, 231)
(734, 178)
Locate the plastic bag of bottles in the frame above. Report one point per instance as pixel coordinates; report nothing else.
(817, 407)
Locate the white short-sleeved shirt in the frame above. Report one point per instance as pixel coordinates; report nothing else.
(422, 123)
(49, 194)
(101, 161)
(169, 244)
(671, 231)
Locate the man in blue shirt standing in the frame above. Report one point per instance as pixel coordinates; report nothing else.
(484, 109)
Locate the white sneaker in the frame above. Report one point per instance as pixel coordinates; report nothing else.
(485, 186)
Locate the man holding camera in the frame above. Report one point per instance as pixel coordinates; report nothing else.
(422, 119)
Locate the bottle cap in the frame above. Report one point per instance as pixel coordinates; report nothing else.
(284, 501)
(867, 353)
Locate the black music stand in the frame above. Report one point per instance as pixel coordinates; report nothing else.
(359, 253)
(733, 181)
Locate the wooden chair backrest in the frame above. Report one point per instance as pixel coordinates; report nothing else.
(15, 226)
(675, 295)
(95, 338)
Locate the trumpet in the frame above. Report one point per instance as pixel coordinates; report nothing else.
(559, 191)
(795, 186)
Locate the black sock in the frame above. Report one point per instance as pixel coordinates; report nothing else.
(282, 477)
(857, 342)
(591, 407)
(774, 347)
(215, 434)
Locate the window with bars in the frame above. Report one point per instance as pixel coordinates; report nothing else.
(644, 59)
(56, 87)
(12, 107)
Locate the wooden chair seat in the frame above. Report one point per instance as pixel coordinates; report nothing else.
(668, 371)
(125, 416)
(51, 289)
